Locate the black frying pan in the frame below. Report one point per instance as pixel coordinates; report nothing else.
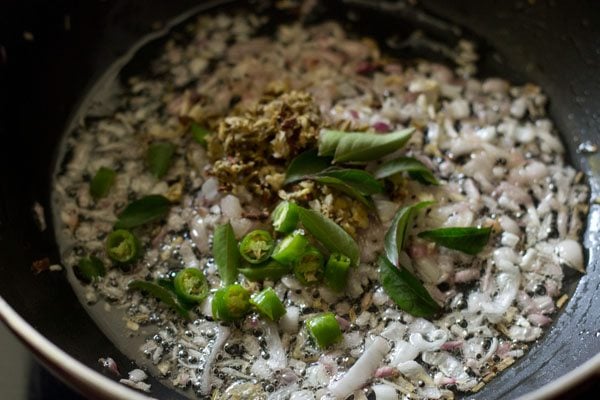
(45, 73)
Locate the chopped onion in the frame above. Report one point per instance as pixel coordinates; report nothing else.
(289, 320)
(362, 370)
(277, 359)
(385, 392)
(569, 252)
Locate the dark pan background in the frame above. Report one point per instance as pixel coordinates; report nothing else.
(555, 44)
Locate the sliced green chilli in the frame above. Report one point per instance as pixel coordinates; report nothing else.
(290, 248)
(285, 217)
(308, 268)
(122, 246)
(324, 329)
(256, 246)
(268, 304)
(231, 303)
(190, 285)
(336, 271)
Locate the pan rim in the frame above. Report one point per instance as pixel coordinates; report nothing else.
(92, 383)
(81, 377)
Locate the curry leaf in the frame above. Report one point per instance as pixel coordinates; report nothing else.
(199, 133)
(360, 147)
(142, 211)
(415, 168)
(329, 141)
(470, 240)
(406, 290)
(344, 187)
(159, 157)
(102, 182)
(357, 178)
(89, 269)
(330, 234)
(164, 295)
(307, 163)
(396, 235)
(226, 253)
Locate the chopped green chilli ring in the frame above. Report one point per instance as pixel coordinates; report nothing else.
(285, 217)
(336, 271)
(324, 329)
(267, 303)
(290, 248)
(122, 246)
(190, 285)
(231, 303)
(308, 268)
(256, 246)
(311, 201)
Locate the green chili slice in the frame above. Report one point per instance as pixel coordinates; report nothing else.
(336, 271)
(162, 294)
(256, 246)
(270, 269)
(231, 303)
(89, 269)
(268, 304)
(191, 285)
(324, 329)
(102, 182)
(285, 217)
(122, 246)
(308, 268)
(290, 248)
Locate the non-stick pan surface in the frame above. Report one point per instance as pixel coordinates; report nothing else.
(51, 53)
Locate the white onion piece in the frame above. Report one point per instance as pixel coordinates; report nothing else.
(241, 226)
(362, 370)
(508, 285)
(421, 325)
(430, 392)
(261, 369)
(317, 375)
(137, 375)
(206, 306)
(206, 378)
(414, 371)
(403, 351)
(277, 359)
(450, 367)
(386, 210)
(524, 333)
(231, 207)
(289, 321)
(210, 189)
(439, 338)
(352, 340)
(199, 233)
(570, 253)
(394, 331)
(385, 392)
